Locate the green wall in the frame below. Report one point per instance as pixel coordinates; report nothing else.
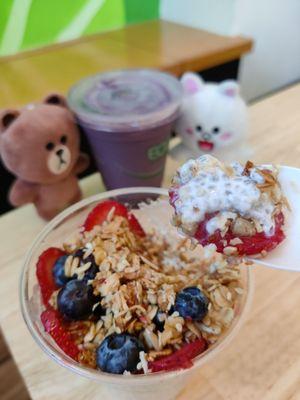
(27, 24)
(141, 10)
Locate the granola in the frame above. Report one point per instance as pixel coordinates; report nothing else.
(137, 280)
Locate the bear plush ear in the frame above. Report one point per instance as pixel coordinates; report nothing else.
(7, 117)
(229, 88)
(55, 99)
(192, 83)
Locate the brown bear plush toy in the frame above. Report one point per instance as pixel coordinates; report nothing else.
(40, 145)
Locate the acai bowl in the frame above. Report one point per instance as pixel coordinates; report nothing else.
(191, 300)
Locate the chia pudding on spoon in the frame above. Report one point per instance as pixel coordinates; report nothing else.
(239, 209)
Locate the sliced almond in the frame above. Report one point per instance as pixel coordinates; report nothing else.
(243, 227)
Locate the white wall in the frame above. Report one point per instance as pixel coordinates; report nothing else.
(273, 24)
(275, 27)
(212, 15)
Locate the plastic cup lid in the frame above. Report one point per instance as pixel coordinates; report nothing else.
(126, 99)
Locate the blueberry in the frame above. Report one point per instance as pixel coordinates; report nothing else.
(159, 320)
(118, 352)
(92, 271)
(75, 300)
(99, 311)
(191, 303)
(59, 271)
(79, 253)
(170, 312)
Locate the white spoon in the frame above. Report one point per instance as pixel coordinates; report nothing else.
(287, 255)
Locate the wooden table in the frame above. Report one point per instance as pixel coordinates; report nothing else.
(171, 47)
(262, 363)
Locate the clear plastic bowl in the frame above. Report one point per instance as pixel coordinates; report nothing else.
(166, 385)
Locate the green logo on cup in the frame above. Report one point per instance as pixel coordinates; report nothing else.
(158, 151)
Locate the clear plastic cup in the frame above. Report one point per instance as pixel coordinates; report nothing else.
(163, 385)
(127, 117)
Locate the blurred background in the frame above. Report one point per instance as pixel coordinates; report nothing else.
(272, 24)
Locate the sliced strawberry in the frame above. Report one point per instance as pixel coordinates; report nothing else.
(55, 326)
(173, 196)
(44, 269)
(99, 214)
(250, 244)
(181, 358)
(135, 225)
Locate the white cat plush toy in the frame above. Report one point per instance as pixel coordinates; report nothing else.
(213, 120)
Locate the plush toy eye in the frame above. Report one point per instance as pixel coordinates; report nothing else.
(199, 128)
(216, 129)
(63, 139)
(49, 146)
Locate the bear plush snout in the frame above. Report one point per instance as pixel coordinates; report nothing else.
(59, 159)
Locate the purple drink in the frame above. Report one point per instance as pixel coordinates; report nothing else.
(127, 116)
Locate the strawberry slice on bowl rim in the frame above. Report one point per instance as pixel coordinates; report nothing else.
(99, 214)
(181, 358)
(58, 330)
(62, 331)
(44, 273)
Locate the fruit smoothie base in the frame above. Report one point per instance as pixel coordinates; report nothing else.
(127, 116)
(239, 209)
(127, 301)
